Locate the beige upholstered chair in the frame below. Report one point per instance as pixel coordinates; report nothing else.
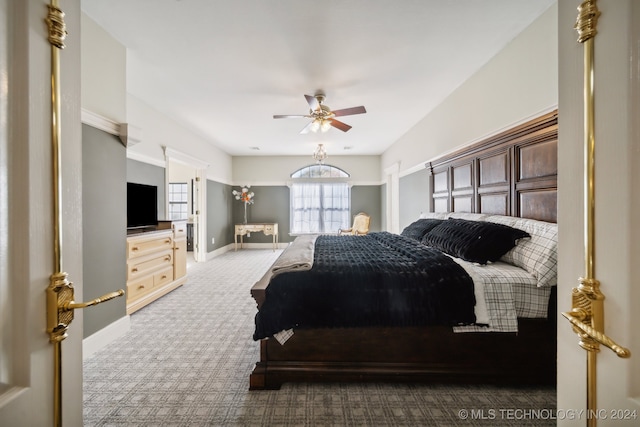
(360, 225)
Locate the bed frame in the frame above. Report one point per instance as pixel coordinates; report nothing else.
(513, 173)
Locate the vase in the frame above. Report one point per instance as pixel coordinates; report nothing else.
(245, 213)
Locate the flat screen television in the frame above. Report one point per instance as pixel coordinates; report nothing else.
(142, 205)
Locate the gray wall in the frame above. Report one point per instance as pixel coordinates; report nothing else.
(366, 198)
(104, 225)
(272, 205)
(219, 214)
(414, 196)
(144, 173)
(383, 206)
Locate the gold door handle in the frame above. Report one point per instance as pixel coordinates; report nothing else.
(577, 316)
(71, 305)
(60, 305)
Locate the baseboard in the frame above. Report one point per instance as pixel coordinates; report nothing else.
(211, 255)
(232, 247)
(105, 336)
(246, 245)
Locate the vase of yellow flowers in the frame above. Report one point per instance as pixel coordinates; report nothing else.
(246, 197)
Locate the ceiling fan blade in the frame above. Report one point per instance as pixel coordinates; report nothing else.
(349, 111)
(313, 102)
(290, 116)
(339, 125)
(307, 128)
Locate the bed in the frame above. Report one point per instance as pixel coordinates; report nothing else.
(494, 321)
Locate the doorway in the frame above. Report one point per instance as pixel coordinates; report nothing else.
(186, 200)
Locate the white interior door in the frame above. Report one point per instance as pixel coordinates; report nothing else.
(196, 217)
(199, 199)
(26, 240)
(617, 203)
(200, 230)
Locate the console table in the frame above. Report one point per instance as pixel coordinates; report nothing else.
(269, 229)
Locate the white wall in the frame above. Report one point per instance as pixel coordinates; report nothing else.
(276, 170)
(103, 79)
(520, 82)
(158, 130)
(104, 92)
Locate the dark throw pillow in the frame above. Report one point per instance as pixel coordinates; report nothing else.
(418, 229)
(474, 241)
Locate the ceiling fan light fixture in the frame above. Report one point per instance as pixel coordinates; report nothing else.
(325, 126)
(315, 126)
(323, 118)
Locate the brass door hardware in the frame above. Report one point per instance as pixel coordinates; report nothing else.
(61, 305)
(587, 312)
(587, 316)
(60, 292)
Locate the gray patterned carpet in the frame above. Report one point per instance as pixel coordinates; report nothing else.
(187, 358)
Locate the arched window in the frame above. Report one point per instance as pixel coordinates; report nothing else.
(320, 199)
(320, 171)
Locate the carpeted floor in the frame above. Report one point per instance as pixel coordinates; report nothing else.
(187, 358)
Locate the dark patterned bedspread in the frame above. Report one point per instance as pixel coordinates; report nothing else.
(380, 279)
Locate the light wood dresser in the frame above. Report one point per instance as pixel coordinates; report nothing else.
(156, 263)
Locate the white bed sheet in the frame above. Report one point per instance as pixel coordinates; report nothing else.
(504, 292)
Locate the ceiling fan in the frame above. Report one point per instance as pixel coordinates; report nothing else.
(322, 115)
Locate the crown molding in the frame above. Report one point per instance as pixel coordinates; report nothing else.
(179, 156)
(100, 122)
(145, 159)
(129, 134)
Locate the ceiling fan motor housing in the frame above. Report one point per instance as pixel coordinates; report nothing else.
(323, 112)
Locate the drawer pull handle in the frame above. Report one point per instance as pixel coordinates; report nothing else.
(167, 258)
(164, 276)
(181, 231)
(141, 287)
(135, 248)
(134, 270)
(168, 241)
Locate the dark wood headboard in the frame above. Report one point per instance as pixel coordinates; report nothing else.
(513, 173)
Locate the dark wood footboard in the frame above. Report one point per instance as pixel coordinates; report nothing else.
(429, 354)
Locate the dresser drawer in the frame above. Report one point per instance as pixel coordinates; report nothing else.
(145, 245)
(139, 287)
(163, 277)
(179, 230)
(139, 267)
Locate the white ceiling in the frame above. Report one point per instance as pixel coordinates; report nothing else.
(224, 68)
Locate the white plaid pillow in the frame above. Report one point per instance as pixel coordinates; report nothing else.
(468, 216)
(539, 254)
(435, 215)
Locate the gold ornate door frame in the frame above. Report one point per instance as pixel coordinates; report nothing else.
(587, 312)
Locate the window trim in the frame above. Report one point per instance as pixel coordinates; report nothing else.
(186, 203)
(345, 178)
